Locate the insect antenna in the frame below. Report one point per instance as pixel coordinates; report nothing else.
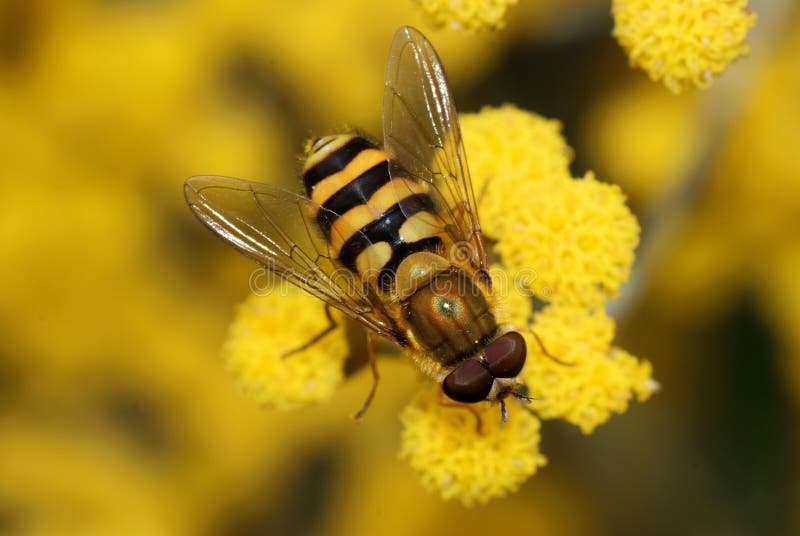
(525, 398)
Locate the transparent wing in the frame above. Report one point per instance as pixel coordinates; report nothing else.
(422, 137)
(277, 229)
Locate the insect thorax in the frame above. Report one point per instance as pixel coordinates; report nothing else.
(449, 316)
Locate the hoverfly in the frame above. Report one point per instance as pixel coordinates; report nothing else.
(389, 236)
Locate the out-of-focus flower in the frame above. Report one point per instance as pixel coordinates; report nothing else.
(466, 452)
(59, 483)
(302, 45)
(751, 192)
(262, 349)
(570, 245)
(684, 43)
(642, 136)
(470, 15)
(780, 295)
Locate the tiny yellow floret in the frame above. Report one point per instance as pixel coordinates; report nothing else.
(684, 43)
(469, 15)
(265, 329)
(466, 452)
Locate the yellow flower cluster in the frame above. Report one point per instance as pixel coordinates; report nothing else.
(466, 452)
(261, 345)
(600, 379)
(683, 43)
(621, 124)
(571, 240)
(570, 244)
(470, 15)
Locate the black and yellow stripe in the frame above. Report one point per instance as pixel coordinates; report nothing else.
(372, 221)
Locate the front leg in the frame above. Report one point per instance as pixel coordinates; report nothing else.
(373, 364)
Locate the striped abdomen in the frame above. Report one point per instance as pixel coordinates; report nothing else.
(371, 221)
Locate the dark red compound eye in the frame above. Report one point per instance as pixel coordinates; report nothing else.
(505, 356)
(470, 382)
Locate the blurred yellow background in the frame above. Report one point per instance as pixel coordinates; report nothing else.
(116, 413)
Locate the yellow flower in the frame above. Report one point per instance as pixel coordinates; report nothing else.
(470, 15)
(599, 379)
(684, 43)
(261, 345)
(536, 150)
(298, 42)
(466, 452)
(756, 166)
(57, 482)
(571, 241)
(620, 137)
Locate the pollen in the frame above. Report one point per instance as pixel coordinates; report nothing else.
(261, 344)
(465, 452)
(683, 43)
(469, 15)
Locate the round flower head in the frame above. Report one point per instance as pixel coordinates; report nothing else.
(570, 241)
(684, 43)
(470, 15)
(262, 345)
(465, 451)
(592, 379)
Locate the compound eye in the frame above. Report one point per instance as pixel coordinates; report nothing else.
(469, 382)
(505, 356)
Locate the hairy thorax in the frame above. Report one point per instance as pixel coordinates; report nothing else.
(447, 312)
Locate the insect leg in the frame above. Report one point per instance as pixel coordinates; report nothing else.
(482, 192)
(445, 402)
(373, 364)
(331, 326)
(543, 348)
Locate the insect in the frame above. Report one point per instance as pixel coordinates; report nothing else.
(390, 236)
